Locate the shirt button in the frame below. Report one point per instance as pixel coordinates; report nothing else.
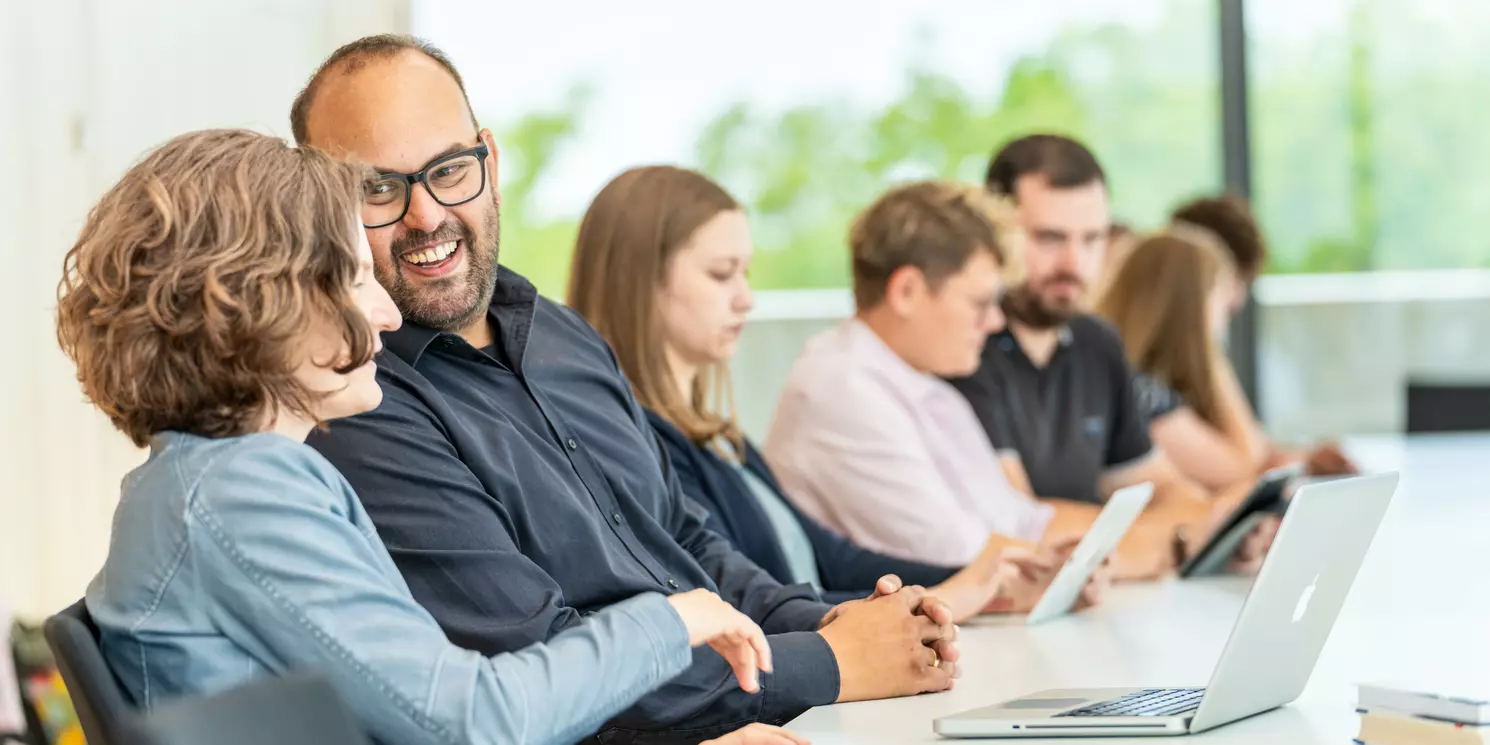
(616, 516)
(572, 444)
(672, 583)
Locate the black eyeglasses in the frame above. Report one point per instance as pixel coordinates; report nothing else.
(452, 180)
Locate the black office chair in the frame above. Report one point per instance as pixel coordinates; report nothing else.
(102, 705)
(300, 709)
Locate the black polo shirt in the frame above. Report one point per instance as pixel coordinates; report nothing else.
(1068, 422)
(519, 491)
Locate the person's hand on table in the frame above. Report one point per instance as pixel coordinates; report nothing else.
(759, 734)
(930, 604)
(970, 591)
(899, 641)
(712, 621)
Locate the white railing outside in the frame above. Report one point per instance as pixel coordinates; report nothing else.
(1335, 351)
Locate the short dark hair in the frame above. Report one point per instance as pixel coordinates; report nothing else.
(934, 226)
(352, 57)
(1064, 162)
(1230, 217)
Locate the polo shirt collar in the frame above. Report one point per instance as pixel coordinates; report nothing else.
(513, 292)
(1009, 342)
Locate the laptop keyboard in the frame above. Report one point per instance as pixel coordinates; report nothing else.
(1153, 702)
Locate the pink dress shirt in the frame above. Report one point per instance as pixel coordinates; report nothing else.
(891, 457)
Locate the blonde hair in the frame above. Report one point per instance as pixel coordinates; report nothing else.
(1158, 297)
(194, 279)
(934, 226)
(627, 238)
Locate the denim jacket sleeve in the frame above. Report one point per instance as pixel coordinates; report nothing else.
(294, 578)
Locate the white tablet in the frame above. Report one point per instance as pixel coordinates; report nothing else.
(1121, 510)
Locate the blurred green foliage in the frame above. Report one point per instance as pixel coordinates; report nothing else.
(1360, 160)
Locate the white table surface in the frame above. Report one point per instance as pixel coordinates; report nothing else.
(1419, 613)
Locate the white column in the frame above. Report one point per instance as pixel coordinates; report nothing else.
(87, 86)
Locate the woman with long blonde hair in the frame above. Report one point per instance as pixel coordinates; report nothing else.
(1169, 298)
(661, 270)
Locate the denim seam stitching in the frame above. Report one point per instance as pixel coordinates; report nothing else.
(203, 513)
(175, 566)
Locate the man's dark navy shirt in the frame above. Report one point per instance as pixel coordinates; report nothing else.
(520, 490)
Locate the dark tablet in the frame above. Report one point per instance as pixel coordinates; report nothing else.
(1266, 497)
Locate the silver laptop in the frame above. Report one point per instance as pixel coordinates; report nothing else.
(1284, 624)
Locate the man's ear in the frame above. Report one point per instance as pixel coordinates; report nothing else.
(904, 290)
(492, 160)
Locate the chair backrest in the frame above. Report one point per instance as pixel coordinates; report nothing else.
(100, 701)
(1447, 407)
(301, 709)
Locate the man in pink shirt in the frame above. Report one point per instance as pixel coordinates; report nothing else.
(867, 437)
(870, 440)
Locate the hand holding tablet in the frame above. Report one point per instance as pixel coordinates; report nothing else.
(1266, 498)
(1091, 552)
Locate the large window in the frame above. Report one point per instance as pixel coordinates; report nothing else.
(1369, 132)
(807, 110)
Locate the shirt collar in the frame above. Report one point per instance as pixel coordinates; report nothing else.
(1064, 335)
(1007, 341)
(511, 302)
(874, 353)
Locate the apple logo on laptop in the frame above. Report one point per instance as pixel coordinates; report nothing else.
(1303, 606)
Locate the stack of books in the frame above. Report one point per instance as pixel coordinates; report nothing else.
(1396, 716)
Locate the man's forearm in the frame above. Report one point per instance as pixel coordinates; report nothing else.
(797, 614)
(1147, 551)
(776, 607)
(1069, 518)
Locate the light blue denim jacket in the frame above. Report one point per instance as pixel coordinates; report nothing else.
(249, 556)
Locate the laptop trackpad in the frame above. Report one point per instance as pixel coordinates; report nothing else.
(1043, 703)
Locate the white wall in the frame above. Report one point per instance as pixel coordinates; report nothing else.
(86, 86)
(1337, 351)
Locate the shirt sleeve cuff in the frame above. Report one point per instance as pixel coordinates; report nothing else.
(799, 614)
(806, 676)
(1117, 469)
